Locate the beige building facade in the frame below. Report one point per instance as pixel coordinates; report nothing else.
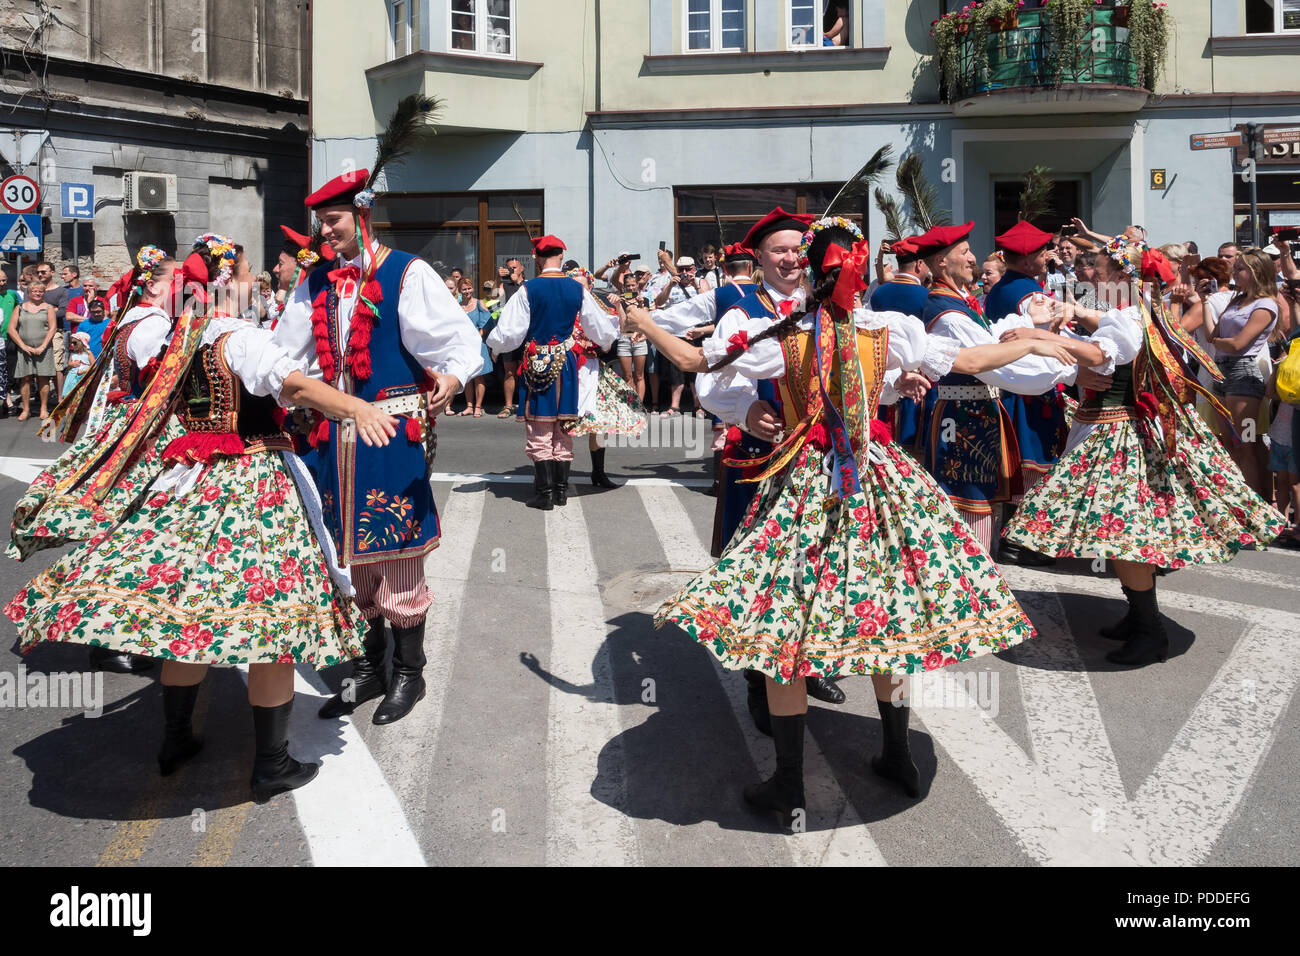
(618, 125)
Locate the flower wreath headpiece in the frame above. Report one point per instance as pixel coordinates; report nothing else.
(1127, 254)
(222, 249)
(825, 223)
(147, 260)
(580, 273)
(307, 258)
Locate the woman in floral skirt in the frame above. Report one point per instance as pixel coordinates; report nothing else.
(1143, 481)
(607, 405)
(226, 561)
(850, 560)
(51, 512)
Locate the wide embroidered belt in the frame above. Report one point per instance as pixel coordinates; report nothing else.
(969, 393)
(1104, 416)
(543, 364)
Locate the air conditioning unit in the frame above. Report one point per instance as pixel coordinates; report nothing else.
(150, 192)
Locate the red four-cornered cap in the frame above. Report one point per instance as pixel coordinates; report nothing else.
(340, 190)
(941, 237)
(1023, 239)
(297, 238)
(775, 221)
(547, 246)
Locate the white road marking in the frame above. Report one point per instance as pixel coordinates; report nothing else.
(24, 469)
(845, 843)
(581, 829)
(1046, 821)
(408, 748)
(1170, 600)
(349, 814)
(1181, 810)
(1069, 740)
(578, 483)
(1264, 579)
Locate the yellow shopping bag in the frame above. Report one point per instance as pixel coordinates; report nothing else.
(1288, 375)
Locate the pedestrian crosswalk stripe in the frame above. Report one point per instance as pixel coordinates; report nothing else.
(407, 749)
(583, 828)
(349, 814)
(1182, 808)
(575, 487)
(838, 837)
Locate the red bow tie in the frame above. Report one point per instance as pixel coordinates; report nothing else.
(974, 304)
(786, 308)
(345, 273)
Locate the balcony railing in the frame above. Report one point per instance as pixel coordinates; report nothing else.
(1030, 55)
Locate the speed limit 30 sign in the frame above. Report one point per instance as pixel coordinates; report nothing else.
(20, 194)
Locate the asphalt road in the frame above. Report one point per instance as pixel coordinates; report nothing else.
(560, 727)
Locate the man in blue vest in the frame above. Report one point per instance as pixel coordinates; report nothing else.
(906, 292)
(544, 318)
(1038, 420)
(380, 325)
(968, 442)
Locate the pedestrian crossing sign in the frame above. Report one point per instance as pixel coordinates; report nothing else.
(22, 233)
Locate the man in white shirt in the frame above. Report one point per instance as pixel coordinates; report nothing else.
(380, 325)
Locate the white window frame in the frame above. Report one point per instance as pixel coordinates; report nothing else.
(715, 29)
(1278, 29)
(480, 32)
(412, 36)
(789, 26)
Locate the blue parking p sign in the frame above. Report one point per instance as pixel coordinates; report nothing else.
(78, 201)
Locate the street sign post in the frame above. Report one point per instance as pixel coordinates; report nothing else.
(78, 200)
(1216, 140)
(20, 233)
(20, 194)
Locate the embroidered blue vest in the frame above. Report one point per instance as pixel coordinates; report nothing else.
(1039, 420)
(554, 302)
(967, 446)
(377, 502)
(909, 298)
(734, 497)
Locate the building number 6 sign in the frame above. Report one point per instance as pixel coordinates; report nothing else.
(20, 194)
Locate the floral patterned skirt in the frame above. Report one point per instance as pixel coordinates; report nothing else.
(229, 573)
(617, 412)
(1119, 495)
(43, 519)
(886, 581)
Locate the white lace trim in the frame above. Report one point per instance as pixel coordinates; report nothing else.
(940, 353)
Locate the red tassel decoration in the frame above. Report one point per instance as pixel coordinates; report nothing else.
(149, 371)
(320, 435)
(192, 448)
(819, 437)
(364, 320)
(881, 433)
(320, 327)
(414, 433)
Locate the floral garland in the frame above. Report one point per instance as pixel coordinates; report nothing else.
(307, 258)
(146, 260)
(1127, 254)
(222, 249)
(826, 222)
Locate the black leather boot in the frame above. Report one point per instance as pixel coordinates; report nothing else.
(543, 485)
(1149, 642)
(819, 688)
(560, 469)
(179, 742)
(274, 771)
(784, 791)
(117, 662)
(756, 692)
(1122, 629)
(367, 681)
(406, 689)
(895, 761)
(598, 476)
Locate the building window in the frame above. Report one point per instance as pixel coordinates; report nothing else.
(1272, 16)
(475, 232)
(482, 27)
(404, 26)
(740, 208)
(818, 23)
(715, 26)
(1066, 202)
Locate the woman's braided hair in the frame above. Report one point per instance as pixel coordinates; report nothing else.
(823, 286)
